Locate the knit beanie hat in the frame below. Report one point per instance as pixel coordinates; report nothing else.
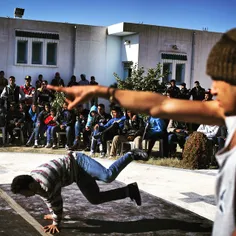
(221, 62)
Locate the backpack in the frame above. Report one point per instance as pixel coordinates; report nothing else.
(197, 151)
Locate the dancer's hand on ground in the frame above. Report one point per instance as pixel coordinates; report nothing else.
(75, 94)
(52, 229)
(48, 217)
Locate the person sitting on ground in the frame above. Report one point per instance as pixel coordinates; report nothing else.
(132, 132)
(82, 170)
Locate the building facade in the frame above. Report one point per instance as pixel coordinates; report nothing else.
(31, 47)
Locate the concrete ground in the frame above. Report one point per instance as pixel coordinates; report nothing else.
(191, 190)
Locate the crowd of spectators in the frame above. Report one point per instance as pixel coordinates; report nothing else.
(28, 109)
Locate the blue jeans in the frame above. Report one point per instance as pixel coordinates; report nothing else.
(98, 171)
(90, 171)
(68, 130)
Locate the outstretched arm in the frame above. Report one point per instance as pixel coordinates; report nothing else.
(149, 103)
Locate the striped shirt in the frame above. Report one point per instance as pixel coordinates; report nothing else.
(52, 176)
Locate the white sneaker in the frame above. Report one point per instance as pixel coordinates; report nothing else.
(54, 146)
(49, 145)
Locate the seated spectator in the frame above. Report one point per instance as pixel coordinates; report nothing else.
(57, 80)
(91, 122)
(156, 129)
(40, 126)
(15, 119)
(72, 81)
(43, 95)
(177, 134)
(28, 90)
(101, 119)
(50, 122)
(132, 131)
(3, 81)
(81, 116)
(107, 132)
(33, 114)
(65, 123)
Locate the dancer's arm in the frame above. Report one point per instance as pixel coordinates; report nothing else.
(149, 103)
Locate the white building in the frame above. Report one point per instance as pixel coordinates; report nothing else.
(31, 47)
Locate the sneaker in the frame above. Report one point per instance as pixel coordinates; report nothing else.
(102, 154)
(54, 146)
(86, 149)
(49, 145)
(139, 155)
(134, 193)
(28, 144)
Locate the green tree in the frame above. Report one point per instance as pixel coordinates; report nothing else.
(58, 100)
(141, 81)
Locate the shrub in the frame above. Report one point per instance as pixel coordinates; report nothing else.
(197, 152)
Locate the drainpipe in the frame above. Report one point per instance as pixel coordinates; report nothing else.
(192, 58)
(74, 51)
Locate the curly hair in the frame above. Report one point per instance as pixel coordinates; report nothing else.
(21, 182)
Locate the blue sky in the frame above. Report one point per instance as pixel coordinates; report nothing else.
(216, 15)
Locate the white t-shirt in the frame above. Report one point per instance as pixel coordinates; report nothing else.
(225, 220)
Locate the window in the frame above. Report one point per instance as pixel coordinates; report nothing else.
(36, 48)
(22, 52)
(167, 69)
(179, 73)
(37, 53)
(176, 65)
(51, 54)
